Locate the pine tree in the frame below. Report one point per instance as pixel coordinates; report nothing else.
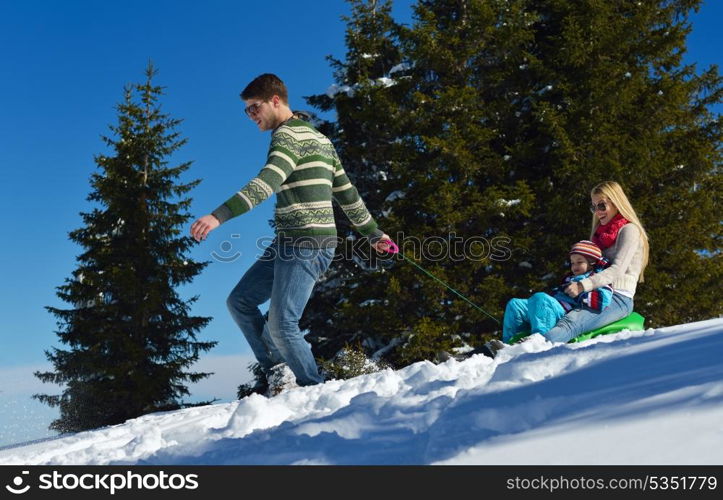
(444, 184)
(364, 134)
(460, 191)
(130, 338)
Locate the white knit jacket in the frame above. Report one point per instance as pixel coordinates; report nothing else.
(626, 257)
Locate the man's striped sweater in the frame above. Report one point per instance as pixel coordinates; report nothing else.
(304, 171)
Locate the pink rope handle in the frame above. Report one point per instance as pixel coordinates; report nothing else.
(393, 248)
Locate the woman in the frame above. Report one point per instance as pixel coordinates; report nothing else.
(617, 230)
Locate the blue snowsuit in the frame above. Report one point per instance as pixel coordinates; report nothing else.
(542, 311)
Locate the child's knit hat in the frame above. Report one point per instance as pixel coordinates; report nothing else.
(588, 249)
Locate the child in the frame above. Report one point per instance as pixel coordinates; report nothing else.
(542, 311)
(585, 260)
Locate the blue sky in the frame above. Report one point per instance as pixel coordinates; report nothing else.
(64, 65)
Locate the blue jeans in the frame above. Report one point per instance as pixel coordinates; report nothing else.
(286, 275)
(537, 314)
(579, 321)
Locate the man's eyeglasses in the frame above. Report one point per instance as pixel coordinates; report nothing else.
(252, 109)
(600, 207)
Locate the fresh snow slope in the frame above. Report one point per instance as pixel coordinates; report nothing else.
(653, 397)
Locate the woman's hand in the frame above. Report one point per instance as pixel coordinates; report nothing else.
(574, 289)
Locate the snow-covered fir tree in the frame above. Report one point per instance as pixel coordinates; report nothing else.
(364, 97)
(431, 128)
(130, 337)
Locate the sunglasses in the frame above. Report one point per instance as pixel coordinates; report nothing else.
(252, 109)
(600, 207)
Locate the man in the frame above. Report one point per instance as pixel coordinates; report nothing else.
(303, 169)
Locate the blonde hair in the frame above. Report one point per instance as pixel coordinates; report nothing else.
(613, 192)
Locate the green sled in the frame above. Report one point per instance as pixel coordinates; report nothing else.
(633, 322)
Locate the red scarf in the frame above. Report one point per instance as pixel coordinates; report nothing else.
(606, 235)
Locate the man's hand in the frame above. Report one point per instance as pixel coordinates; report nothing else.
(574, 289)
(203, 226)
(383, 244)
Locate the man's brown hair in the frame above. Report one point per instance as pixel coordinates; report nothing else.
(265, 87)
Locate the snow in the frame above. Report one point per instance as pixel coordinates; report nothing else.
(647, 397)
(545, 89)
(336, 89)
(400, 67)
(350, 91)
(394, 196)
(384, 81)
